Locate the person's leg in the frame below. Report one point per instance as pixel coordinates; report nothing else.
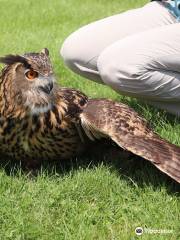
(146, 66)
(81, 49)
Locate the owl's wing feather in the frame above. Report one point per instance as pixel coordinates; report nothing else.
(105, 118)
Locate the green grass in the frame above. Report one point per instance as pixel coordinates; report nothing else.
(87, 198)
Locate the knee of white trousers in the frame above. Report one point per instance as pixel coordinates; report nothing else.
(78, 57)
(71, 52)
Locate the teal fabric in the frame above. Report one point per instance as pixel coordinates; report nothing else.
(174, 8)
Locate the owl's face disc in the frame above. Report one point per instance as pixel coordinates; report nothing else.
(32, 80)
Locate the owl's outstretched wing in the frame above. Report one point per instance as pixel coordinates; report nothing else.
(102, 117)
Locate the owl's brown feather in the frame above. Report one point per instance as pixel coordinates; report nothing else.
(46, 136)
(40, 120)
(131, 132)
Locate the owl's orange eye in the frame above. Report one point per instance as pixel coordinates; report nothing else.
(31, 74)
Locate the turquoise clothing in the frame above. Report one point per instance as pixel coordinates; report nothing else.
(174, 8)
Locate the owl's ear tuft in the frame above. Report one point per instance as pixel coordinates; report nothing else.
(11, 59)
(45, 51)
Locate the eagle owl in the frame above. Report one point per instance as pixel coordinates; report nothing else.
(40, 120)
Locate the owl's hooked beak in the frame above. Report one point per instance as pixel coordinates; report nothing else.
(47, 88)
(45, 84)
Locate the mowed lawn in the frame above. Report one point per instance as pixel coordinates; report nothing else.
(90, 197)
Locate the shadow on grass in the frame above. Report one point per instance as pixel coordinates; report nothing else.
(136, 171)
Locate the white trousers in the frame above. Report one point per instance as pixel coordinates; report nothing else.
(137, 53)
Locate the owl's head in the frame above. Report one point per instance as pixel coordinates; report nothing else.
(29, 79)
